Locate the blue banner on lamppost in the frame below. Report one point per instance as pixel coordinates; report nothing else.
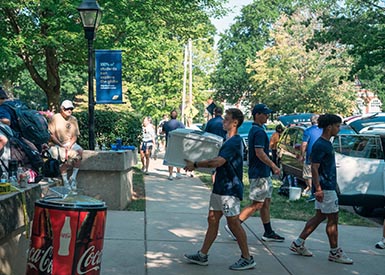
(108, 74)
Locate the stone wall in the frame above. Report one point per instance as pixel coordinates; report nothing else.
(14, 241)
(107, 176)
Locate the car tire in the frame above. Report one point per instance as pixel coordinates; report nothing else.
(363, 211)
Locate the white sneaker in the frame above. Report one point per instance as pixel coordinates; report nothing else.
(178, 175)
(170, 178)
(300, 249)
(380, 245)
(340, 257)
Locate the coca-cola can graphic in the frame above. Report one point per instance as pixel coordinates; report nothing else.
(67, 236)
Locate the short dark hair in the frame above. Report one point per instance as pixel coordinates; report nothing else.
(173, 114)
(279, 127)
(237, 115)
(218, 110)
(328, 119)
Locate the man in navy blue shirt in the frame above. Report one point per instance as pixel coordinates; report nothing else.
(215, 125)
(324, 177)
(260, 167)
(169, 126)
(226, 196)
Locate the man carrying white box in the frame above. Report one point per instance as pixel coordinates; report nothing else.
(226, 194)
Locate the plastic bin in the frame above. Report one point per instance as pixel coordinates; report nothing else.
(192, 145)
(67, 236)
(294, 193)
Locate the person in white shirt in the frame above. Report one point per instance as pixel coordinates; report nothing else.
(148, 142)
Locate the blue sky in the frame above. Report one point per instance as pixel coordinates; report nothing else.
(225, 22)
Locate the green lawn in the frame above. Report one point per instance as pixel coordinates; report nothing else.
(282, 208)
(138, 202)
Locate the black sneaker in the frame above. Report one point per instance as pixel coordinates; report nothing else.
(272, 237)
(197, 258)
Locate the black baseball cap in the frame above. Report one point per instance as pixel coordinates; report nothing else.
(261, 109)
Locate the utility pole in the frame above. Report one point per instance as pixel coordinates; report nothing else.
(184, 84)
(189, 122)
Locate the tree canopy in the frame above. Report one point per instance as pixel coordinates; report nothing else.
(45, 38)
(293, 78)
(357, 26)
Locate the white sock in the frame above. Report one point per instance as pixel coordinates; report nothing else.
(299, 241)
(202, 254)
(74, 173)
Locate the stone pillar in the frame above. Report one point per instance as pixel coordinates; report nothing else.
(14, 239)
(107, 176)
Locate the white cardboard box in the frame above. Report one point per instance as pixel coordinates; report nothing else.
(192, 145)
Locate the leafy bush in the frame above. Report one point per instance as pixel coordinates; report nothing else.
(110, 125)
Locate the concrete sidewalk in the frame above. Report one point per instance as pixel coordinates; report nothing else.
(174, 223)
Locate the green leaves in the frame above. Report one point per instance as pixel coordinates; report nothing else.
(301, 79)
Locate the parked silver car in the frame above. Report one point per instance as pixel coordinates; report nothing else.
(360, 171)
(360, 165)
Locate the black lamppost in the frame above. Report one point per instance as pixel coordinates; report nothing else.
(90, 14)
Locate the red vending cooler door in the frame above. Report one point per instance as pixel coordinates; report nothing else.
(67, 236)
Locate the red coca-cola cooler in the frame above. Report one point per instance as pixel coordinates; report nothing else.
(67, 236)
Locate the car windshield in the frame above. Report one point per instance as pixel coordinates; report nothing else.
(346, 130)
(363, 146)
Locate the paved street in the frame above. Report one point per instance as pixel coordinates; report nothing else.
(174, 223)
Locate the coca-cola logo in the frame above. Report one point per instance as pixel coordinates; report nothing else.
(40, 259)
(89, 261)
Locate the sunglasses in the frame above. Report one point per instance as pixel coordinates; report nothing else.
(66, 109)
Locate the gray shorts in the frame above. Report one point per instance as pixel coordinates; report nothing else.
(229, 205)
(329, 204)
(261, 189)
(306, 172)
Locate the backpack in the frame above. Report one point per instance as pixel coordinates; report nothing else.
(22, 150)
(51, 167)
(33, 125)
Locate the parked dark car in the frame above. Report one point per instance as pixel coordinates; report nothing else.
(359, 160)
(289, 149)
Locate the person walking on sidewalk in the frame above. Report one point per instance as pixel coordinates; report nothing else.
(147, 144)
(169, 126)
(381, 244)
(225, 197)
(323, 167)
(260, 167)
(215, 125)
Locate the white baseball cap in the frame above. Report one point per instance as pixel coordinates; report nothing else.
(66, 104)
